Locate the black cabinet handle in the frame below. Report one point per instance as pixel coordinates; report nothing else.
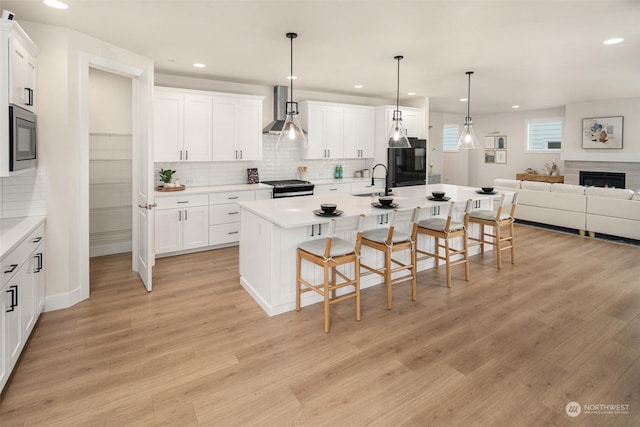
(14, 298)
(232, 198)
(233, 213)
(183, 201)
(38, 257)
(232, 232)
(11, 268)
(36, 240)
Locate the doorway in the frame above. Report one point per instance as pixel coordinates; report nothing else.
(110, 163)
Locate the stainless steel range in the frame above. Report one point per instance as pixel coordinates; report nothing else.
(290, 188)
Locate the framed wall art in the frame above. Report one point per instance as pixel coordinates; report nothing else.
(489, 142)
(602, 132)
(501, 142)
(501, 156)
(489, 156)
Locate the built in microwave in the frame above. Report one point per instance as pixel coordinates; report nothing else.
(23, 141)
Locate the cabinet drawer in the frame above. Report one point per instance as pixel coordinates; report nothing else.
(182, 201)
(224, 214)
(13, 261)
(231, 196)
(224, 233)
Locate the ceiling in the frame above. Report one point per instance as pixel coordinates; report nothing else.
(536, 54)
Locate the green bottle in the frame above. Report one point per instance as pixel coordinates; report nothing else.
(337, 172)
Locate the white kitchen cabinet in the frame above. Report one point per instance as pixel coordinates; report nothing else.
(21, 298)
(237, 128)
(359, 132)
(23, 75)
(224, 216)
(182, 126)
(338, 187)
(182, 222)
(410, 120)
(324, 125)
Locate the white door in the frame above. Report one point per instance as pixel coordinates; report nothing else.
(144, 256)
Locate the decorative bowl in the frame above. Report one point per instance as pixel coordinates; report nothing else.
(438, 194)
(328, 208)
(487, 189)
(385, 200)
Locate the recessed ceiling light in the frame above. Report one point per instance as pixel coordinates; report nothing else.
(515, 106)
(292, 77)
(56, 4)
(615, 40)
(411, 93)
(199, 65)
(463, 99)
(358, 86)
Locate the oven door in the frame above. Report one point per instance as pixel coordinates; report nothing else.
(23, 139)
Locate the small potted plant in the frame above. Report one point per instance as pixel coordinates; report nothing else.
(165, 177)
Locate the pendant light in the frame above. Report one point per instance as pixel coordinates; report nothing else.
(468, 140)
(397, 133)
(292, 136)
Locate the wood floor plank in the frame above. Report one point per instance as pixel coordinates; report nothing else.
(509, 347)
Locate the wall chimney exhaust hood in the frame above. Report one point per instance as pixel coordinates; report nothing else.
(280, 94)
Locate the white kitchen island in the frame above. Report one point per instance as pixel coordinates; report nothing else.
(271, 230)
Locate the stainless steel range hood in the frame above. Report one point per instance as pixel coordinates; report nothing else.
(280, 94)
(279, 110)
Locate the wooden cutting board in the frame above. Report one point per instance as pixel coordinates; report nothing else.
(179, 188)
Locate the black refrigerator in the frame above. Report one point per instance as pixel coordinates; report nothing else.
(408, 166)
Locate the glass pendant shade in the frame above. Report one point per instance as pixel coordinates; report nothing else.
(292, 136)
(397, 133)
(468, 139)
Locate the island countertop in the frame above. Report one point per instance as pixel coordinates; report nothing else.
(295, 212)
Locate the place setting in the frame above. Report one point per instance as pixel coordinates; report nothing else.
(328, 210)
(384, 202)
(486, 190)
(438, 196)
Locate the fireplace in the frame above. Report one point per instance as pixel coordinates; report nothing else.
(602, 179)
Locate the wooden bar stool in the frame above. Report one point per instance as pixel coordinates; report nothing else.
(502, 217)
(328, 254)
(447, 230)
(389, 241)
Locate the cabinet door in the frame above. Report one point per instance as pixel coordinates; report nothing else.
(316, 123)
(5, 299)
(332, 188)
(27, 304)
(168, 233)
(224, 123)
(249, 130)
(168, 127)
(411, 121)
(13, 322)
(359, 130)
(195, 227)
(38, 280)
(17, 93)
(198, 128)
(333, 132)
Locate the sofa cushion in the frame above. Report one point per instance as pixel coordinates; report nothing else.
(612, 193)
(636, 196)
(536, 186)
(506, 183)
(567, 188)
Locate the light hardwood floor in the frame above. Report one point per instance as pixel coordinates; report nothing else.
(508, 348)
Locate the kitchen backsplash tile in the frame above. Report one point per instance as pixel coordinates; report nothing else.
(275, 164)
(24, 194)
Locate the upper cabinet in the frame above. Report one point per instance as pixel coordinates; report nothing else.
(359, 131)
(206, 126)
(237, 128)
(22, 77)
(338, 131)
(410, 120)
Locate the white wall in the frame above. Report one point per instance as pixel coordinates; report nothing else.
(110, 163)
(61, 130)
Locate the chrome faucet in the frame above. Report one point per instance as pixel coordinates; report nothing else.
(386, 177)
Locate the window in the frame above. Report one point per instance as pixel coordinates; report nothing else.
(544, 135)
(450, 138)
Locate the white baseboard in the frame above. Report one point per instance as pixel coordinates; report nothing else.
(113, 248)
(60, 301)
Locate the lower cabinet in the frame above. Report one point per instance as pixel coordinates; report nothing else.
(21, 298)
(181, 228)
(224, 216)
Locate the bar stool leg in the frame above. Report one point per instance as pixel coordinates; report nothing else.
(333, 282)
(498, 245)
(436, 251)
(513, 243)
(482, 237)
(414, 274)
(447, 263)
(465, 245)
(387, 276)
(298, 271)
(357, 285)
(326, 298)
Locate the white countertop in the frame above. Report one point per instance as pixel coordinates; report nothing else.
(13, 230)
(296, 212)
(214, 189)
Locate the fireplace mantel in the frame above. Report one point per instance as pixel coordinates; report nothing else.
(600, 156)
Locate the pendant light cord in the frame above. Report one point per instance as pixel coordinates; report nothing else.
(469, 94)
(398, 85)
(291, 75)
